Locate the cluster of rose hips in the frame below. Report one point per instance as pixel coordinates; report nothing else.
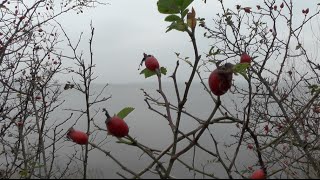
(219, 80)
(115, 125)
(275, 7)
(219, 83)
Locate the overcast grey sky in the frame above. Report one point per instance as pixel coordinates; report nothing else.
(127, 28)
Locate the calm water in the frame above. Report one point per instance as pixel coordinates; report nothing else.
(148, 128)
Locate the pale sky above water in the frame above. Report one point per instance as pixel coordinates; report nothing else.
(125, 29)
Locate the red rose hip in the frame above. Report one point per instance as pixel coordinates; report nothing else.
(245, 58)
(258, 174)
(247, 9)
(250, 146)
(282, 5)
(220, 80)
(150, 61)
(78, 137)
(307, 10)
(116, 126)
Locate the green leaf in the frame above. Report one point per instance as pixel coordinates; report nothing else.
(184, 13)
(122, 141)
(244, 75)
(241, 67)
(217, 52)
(185, 4)
(172, 18)
(212, 52)
(23, 173)
(179, 25)
(182, 4)
(163, 70)
(179, 2)
(124, 112)
(188, 62)
(168, 7)
(211, 49)
(169, 29)
(314, 88)
(147, 73)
